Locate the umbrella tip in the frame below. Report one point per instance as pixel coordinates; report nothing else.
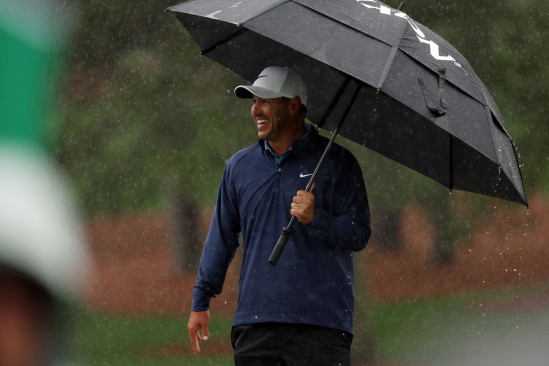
(401, 6)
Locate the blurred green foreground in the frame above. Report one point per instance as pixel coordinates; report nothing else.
(504, 327)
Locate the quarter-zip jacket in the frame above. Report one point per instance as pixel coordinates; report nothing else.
(313, 281)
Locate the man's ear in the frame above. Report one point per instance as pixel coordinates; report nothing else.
(295, 104)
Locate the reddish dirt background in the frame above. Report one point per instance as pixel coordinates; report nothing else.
(135, 271)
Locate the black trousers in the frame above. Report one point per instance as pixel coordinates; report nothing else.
(281, 344)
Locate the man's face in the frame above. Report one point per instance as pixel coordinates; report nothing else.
(271, 117)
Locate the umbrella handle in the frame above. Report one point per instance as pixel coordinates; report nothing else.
(279, 247)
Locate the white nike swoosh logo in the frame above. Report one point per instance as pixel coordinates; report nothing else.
(303, 176)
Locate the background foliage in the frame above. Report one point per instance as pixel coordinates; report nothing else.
(140, 106)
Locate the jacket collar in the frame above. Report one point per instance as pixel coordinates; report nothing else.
(301, 144)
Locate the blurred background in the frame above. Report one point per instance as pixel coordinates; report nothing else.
(142, 126)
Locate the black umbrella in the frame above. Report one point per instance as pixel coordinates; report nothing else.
(401, 89)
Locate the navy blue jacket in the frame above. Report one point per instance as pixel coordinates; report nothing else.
(313, 281)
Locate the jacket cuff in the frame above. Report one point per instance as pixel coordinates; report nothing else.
(201, 299)
(319, 220)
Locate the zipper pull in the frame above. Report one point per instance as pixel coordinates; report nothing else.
(279, 170)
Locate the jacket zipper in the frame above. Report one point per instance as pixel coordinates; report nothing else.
(279, 170)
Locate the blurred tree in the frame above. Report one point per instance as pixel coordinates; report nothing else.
(141, 104)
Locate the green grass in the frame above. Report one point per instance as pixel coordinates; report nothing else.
(458, 328)
(120, 340)
(451, 329)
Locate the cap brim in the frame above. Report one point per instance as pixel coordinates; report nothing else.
(248, 91)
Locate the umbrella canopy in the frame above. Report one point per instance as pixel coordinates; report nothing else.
(422, 105)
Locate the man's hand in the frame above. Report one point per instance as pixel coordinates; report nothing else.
(198, 320)
(303, 206)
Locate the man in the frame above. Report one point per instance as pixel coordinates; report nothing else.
(300, 311)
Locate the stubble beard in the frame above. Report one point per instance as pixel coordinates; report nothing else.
(278, 127)
(278, 124)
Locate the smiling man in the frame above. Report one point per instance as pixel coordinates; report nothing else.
(301, 311)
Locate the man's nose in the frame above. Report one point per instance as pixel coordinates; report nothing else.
(255, 109)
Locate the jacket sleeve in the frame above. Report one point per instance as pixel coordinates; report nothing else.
(220, 246)
(349, 226)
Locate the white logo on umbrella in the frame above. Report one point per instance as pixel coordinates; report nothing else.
(434, 48)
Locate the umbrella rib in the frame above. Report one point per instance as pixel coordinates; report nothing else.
(224, 40)
(521, 180)
(492, 123)
(451, 161)
(391, 58)
(334, 102)
(387, 67)
(264, 10)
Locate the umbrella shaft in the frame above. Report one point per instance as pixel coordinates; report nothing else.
(287, 231)
(332, 139)
(328, 147)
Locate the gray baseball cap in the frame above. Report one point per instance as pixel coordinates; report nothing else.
(275, 82)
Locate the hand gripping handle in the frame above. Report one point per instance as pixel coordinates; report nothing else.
(279, 247)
